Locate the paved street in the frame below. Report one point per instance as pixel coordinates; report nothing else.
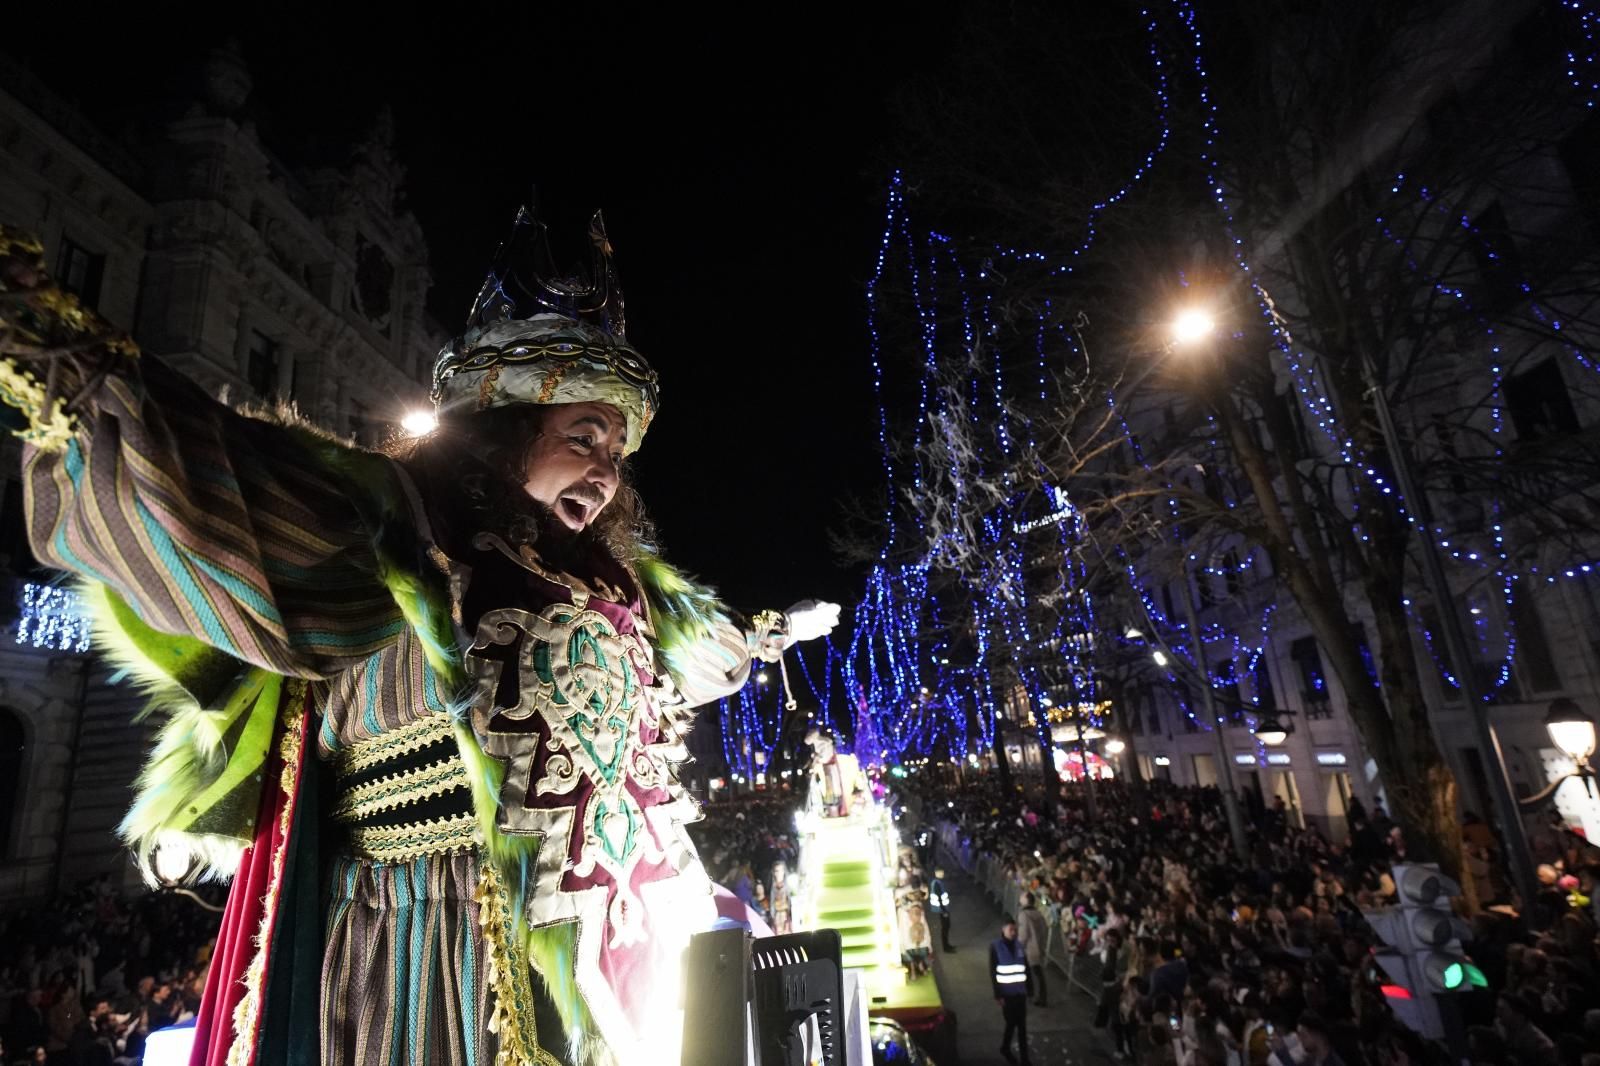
(1058, 1034)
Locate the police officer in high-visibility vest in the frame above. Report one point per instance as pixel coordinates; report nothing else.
(939, 903)
(1008, 968)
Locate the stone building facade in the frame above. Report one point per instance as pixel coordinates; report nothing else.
(265, 284)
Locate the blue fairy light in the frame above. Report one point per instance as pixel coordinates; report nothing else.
(51, 617)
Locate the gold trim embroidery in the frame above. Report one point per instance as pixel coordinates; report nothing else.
(408, 738)
(247, 1014)
(512, 1018)
(49, 427)
(486, 388)
(402, 789)
(552, 379)
(402, 843)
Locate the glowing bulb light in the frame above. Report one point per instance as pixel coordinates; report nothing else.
(1191, 326)
(419, 423)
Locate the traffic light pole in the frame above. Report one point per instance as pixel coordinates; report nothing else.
(1230, 797)
(1518, 856)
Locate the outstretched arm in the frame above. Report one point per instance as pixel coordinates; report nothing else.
(238, 532)
(719, 663)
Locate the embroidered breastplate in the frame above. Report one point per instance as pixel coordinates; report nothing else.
(567, 703)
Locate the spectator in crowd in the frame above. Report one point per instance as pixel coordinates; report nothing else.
(1032, 931)
(1315, 1041)
(1203, 957)
(749, 840)
(1524, 1041)
(86, 977)
(1113, 971)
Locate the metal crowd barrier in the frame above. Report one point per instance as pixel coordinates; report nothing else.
(1086, 973)
(1082, 971)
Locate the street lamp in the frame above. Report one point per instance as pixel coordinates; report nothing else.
(1570, 730)
(1115, 746)
(1191, 326)
(1573, 732)
(1271, 731)
(1160, 657)
(419, 423)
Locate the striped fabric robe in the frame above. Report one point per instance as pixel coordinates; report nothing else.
(211, 524)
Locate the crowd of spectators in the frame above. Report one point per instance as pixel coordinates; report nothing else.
(86, 978)
(1202, 960)
(748, 846)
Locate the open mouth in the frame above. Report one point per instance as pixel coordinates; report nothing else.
(574, 512)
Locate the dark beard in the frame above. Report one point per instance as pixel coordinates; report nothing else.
(556, 543)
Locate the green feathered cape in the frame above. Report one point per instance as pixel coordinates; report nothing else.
(201, 786)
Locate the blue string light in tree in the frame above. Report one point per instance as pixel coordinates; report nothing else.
(1583, 67)
(52, 618)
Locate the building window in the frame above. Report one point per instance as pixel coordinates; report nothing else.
(80, 271)
(1540, 405)
(261, 365)
(1580, 154)
(1536, 665)
(1445, 434)
(1495, 252)
(16, 554)
(361, 428)
(1266, 698)
(1231, 573)
(1297, 420)
(1187, 706)
(11, 752)
(1591, 614)
(1369, 662)
(1433, 638)
(1226, 691)
(1313, 681)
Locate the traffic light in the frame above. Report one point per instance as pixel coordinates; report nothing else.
(1421, 950)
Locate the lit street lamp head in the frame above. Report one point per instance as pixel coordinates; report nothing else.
(1191, 326)
(1270, 731)
(419, 423)
(1571, 730)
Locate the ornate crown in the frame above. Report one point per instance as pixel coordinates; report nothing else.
(536, 335)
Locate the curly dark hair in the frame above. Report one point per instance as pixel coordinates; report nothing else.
(471, 470)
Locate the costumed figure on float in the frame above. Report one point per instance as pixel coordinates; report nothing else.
(838, 785)
(782, 908)
(473, 634)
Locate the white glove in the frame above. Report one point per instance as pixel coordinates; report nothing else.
(810, 619)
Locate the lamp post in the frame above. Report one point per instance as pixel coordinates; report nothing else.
(1230, 798)
(1573, 732)
(1271, 730)
(1570, 730)
(1193, 326)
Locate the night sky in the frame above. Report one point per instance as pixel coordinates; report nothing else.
(742, 168)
